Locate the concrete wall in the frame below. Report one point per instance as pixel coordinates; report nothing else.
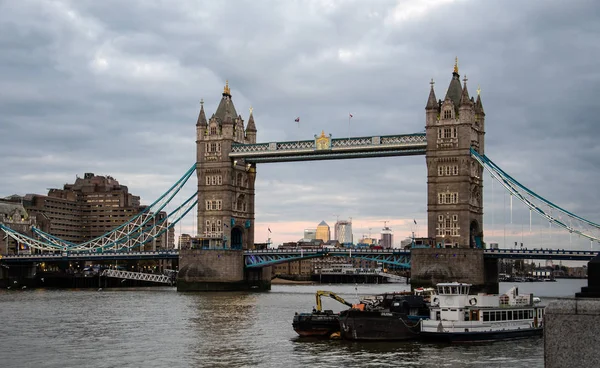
(430, 266)
(571, 333)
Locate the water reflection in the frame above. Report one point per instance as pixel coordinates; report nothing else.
(223, 324)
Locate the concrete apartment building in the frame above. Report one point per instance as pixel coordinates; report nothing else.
(88, 208)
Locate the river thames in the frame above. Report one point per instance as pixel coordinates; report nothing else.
(158, 327)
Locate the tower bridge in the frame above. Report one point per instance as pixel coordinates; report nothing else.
(227, 155)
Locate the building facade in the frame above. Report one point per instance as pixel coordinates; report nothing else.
(454, 178)
(310, 234)
(323, 232)
(225, 186)
(15, 216)
(89, 208)
(343, 232)
(387, 238)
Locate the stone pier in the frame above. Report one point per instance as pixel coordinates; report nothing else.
(219, 270)
(430, 266)
(572, 326)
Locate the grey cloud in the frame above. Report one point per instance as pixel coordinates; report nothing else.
(115, 87)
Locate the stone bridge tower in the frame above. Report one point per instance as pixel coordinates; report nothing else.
(225, 186)
(454, 193)
(454, 178)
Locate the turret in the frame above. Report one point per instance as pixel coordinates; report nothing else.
(201, 124)
(466, 110)
(251, 129)
(432, 110)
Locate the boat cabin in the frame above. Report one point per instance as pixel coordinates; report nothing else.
(453, 303)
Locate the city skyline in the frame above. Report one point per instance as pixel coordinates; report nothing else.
(130, 86)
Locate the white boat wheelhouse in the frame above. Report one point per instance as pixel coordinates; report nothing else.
(454, 310)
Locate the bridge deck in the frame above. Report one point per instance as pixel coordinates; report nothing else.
(260, 258)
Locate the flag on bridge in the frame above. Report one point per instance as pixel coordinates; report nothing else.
(415, 221)
(269, 229)
(350, 116)
(297, 120)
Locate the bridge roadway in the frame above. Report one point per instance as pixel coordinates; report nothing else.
(267, 257)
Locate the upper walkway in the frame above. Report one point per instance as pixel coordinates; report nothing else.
(326, 148)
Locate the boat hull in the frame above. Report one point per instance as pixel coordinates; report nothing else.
(377, 326)
(480, 336)
(316, 324)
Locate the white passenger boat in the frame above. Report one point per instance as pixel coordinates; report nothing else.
(457, 316)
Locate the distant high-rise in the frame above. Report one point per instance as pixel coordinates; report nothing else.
(310, 234)
(323, 232)
(387, 238)
(343, 232)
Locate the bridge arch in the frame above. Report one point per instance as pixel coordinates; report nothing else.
(237, 237)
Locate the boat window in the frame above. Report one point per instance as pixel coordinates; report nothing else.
(530, 313)
(486, 316)
(504, 315)
(466, 315)
(492, 316)
(510, 315)
(454, 291)
(520, 316)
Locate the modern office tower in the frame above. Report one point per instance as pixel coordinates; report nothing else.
(323, 232)
(343, 232)
(387, 238)
(310, 234)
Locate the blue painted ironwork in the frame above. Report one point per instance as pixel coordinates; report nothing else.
(257, 259)
(396, 257)
(553, 213)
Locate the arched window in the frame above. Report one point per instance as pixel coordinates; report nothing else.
(241, 203)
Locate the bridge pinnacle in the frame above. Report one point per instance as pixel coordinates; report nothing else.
(456, 65)
(226, 90)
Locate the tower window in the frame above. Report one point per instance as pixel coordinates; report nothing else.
(447, 114)
(213, 130)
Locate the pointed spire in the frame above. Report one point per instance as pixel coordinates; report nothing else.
(251, 127)
(478, 104)
(432, 100)
(201, 117)
(464, 99)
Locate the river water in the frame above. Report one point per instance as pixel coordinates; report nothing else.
(158, 327)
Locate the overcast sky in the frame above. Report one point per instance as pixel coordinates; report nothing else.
(113, 88)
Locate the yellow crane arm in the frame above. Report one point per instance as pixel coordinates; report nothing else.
(330, 294)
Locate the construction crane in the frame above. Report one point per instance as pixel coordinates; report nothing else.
(330, 294)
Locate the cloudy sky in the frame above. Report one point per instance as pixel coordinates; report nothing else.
(113, 87)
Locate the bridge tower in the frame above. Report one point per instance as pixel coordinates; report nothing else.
(454, 192)
(225, 186)
(225, 206)
(454, 178)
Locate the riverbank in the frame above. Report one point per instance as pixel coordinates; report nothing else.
(279, 281)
